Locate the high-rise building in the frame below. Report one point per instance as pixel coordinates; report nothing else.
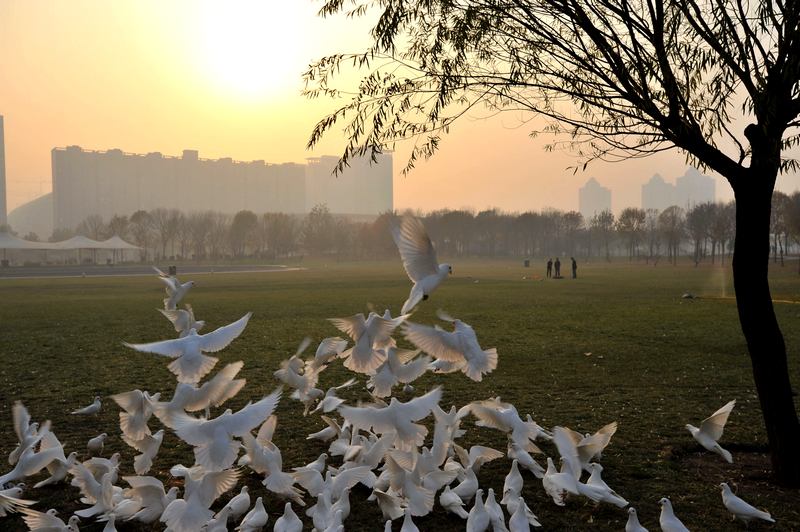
(693, 188)
(657, 194)
(593, 198)
(3, 213)
(363, 187)
(114, 182)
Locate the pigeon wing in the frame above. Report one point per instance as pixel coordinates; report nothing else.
(220, 338)
(353, 326)
(714, 424)
(420, 407)
(252, 415)
(167, 348)
(416, 248)
(436, 342)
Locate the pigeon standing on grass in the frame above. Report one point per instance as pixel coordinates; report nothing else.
(419, 260)
(711, 430)
(633, 524)
(91, 409)
(741, 509)
(668, 521)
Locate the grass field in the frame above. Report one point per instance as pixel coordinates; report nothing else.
(657, 362)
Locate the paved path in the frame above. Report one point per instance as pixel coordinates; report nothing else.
(132, 270)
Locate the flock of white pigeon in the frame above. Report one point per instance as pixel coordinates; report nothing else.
(379, 445)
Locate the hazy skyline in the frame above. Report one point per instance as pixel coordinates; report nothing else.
(224, 79)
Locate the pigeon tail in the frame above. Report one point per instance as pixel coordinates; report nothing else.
(413, 300)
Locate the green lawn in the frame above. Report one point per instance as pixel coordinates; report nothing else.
(657, 362)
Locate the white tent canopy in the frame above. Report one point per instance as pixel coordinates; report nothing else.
(9, 241)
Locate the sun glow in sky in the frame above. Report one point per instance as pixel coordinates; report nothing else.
(224, 77)
(253, 48)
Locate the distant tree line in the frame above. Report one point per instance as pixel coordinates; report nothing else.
(704, 232)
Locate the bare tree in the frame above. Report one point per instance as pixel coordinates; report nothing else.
(642, 76)
(93, 227)
(698, 225)
(602, 225)
(141, 227)
(630, 225)
(166, 223)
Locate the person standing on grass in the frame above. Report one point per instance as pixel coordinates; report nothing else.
(549, 268)
(574, 268)
(558, 268)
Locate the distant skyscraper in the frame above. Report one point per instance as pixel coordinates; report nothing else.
(693, 188)
(3, 214)
(657, 194)
(593, 198)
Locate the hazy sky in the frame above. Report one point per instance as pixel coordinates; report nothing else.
(223, 77)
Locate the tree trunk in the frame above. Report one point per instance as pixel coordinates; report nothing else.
(760, 326)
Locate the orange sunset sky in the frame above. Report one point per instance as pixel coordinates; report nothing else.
(223, 77)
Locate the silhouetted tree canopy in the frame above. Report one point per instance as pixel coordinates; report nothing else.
(715, 79)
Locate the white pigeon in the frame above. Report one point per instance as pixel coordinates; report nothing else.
(137, 409)
(28, 434)
(149, 492)
(201, 490)
(148, 446)
(214, 447)
(327, 350)
(478, 519)
(459, 346)
(419, 260)
(367, 333)
(711, 430)
(219, 523)
(408, 523)
(396, 417)
(391, 505)
(10, 501)
(519, 521)
(95, 445)
(596, 480)
(558, 484)
(668, 521)
(333, 430)
(513, 483)
(578, 449)
(451, 502)
(335, 485)
(30, 463)
(174, 288)
(400, 367)
(633, 524)
(190, 364)
(183, 320)
(91, 409)
(741, 509)
(288, 522)
(495, 512)
(48, 522)
(277, 481)
(60, 465)
(256, 519)
(237, 506)
(191, 398)
(330, 401)
(496, 414)
(524, 458)
(517, 506)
